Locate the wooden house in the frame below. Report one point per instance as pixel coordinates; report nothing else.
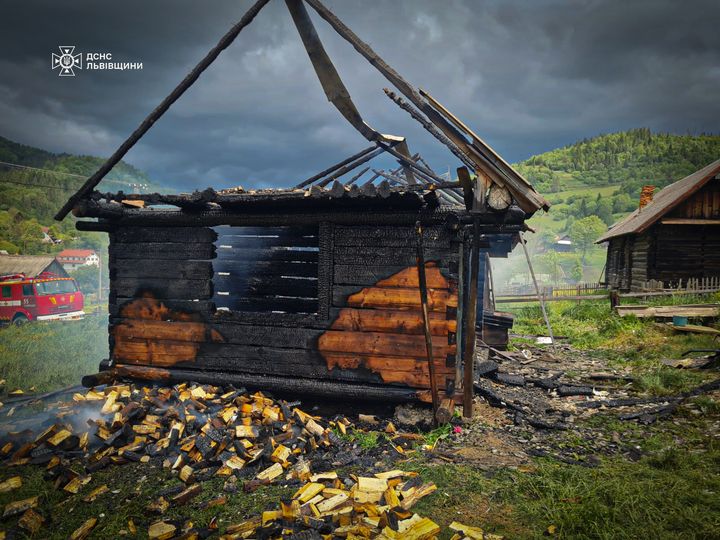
(673, 236)
(341, 286)
(30, 265)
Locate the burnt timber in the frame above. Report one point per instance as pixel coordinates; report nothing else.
(673, 238)
(316, 288)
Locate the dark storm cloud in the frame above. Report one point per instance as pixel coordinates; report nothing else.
(528, 76)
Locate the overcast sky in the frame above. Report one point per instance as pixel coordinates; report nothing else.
(527, 76)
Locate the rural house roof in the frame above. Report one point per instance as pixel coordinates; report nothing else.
(467, 146)
(84, 253)
(663, 202)
(30, 265)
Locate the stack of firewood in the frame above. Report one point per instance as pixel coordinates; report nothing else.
(190, 428)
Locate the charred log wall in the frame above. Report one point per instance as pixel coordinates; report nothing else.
(365, 325)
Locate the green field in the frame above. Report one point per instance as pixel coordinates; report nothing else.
(44, 356)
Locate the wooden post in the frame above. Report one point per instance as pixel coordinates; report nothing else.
(422, 282)
(470, 323)
(537, 290)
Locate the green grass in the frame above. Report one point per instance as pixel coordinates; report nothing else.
(671, 494)
(51, 355)
(136, 485)
(591, 325)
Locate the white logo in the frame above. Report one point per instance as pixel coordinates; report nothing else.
(66, 61)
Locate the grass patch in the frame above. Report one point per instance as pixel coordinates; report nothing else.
(136, 486)
(664, 380)
(51, 355)
(592, 326)
(672, 494)
(707, 405)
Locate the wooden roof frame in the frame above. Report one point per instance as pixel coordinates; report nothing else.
(462, 141)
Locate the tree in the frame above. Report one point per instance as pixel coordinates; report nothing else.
(576, 272)
(604, 211)
(87, 278)
(551, 263)
(584, 232)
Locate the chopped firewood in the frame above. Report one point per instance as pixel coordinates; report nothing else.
(84, 530)
(158, 506)
(187, 494)
(414, 528)
(248, 526)
(308, 491)
(281, 454)
(332, 503)
(59, 437)
(475, 533)
(74, 485)
(271, 473)
(161, 530)
(314, 428)
(416, 494)
(17, 507)
(187, 474)
(95, 493)
(248, 432)
(31, 521)
(11, 483)
(235, 463)
(371, 484)
(217, 501)
(392, 474)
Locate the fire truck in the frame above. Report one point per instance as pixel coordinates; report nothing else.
(43, 298)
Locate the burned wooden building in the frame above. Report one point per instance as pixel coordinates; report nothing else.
(356, 282)
(672, 237)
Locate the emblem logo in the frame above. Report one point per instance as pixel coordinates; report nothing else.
(66, 61)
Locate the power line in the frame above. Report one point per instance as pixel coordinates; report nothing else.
(3, 181)
(18, 166)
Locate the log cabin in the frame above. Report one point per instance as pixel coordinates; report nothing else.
(375, 287)
(673, 236)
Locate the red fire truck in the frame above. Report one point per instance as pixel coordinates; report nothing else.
(43, 298)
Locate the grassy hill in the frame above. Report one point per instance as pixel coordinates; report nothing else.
(29, 198)
(602, 176)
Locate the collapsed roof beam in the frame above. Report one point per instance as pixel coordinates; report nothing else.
(330, 80)
(350, 167)
(528, 199)
(429, 127)
(333, 168)
(155, 115)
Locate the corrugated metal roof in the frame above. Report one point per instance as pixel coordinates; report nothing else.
(667, 199)
(30, 265)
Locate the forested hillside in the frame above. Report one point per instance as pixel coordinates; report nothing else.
(29, 198)
(629, 158)
(595, 182)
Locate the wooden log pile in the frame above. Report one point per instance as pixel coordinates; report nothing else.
(353, 507)
(196, 430)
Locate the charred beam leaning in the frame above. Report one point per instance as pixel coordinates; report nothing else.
(155, 115)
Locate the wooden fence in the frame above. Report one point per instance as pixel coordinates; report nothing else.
(597, 291)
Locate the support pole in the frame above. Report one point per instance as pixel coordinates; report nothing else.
(470, 323)
(155, 115)
(537, 291)
(422, 280)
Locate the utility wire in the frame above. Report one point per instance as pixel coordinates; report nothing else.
(2, 181)
(17, 165)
